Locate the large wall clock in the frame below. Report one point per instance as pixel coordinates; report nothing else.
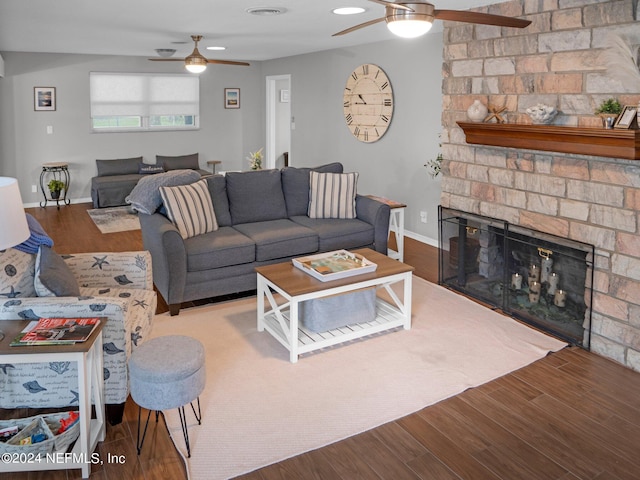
(368, 103)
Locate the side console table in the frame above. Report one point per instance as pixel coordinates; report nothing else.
(396, 225)
(88, 355)
(56, 171)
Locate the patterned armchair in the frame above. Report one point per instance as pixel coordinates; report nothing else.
(117, 286)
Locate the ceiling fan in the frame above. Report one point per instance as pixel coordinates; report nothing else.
(413, 18)
(196, 62)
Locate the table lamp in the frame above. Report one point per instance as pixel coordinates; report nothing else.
(15, 229)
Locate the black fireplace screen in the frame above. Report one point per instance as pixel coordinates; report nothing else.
(542, 279)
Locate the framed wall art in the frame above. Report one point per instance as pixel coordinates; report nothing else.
(231, 98)
(44, 99)
(627, 119)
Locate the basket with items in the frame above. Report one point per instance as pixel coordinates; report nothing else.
(41, 434)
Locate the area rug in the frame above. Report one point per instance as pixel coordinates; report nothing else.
(258, 408)
(114, 219)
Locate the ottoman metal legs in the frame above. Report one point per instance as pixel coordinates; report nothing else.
(167, 372)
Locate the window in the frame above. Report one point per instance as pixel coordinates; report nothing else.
(143, 102)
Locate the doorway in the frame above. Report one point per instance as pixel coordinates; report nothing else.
(278, 142)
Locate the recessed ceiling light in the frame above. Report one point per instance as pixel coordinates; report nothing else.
(266, 11)
(216, 48)
(165, 52)
(348, 10)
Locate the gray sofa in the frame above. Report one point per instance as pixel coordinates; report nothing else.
(262, 218)
(116, 178)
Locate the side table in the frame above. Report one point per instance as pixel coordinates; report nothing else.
(213, 164)
(88, 356)
(396, 225)
(56, 171)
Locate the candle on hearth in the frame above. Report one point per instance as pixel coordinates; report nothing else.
(560, 298)
(534, 272)
(516, 281)
(534, 292)
(554, 278)
(545, 270)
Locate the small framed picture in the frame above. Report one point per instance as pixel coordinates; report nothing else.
(231, 98)
(627, 118)
(44, 99)
(284, 96)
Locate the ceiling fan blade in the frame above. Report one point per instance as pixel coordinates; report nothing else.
(399, 6)
(482, 18)
(358, 27)
(166, 59)
(228, 62)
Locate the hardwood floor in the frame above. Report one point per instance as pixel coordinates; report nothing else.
(572, 415)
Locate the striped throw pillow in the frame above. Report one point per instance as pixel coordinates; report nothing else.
(190, 208)
(332, 195)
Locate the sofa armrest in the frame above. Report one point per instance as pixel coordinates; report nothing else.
(162, 239)
(377, 214)
(112, 269)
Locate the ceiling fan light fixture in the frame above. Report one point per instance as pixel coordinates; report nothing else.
(195, 63)
(165, 52)
(409, 28)
(410, 23)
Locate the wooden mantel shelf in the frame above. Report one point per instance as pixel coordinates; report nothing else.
(601, 142)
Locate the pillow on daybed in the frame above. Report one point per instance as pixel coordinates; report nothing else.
(53, 277)
(145, 196)
(149, 169)
(332, 195)
(119, 166)
(190, 209)
(180, 162)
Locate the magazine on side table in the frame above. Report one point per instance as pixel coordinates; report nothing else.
(56, 331)
(334, 265)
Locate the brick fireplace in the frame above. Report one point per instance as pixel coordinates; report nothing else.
(556, 61)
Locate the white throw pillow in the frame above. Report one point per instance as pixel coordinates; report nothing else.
(332, 195)
(190, 208)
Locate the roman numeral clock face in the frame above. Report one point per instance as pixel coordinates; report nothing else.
(368, 103)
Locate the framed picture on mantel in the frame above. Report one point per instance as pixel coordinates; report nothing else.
(627, 119)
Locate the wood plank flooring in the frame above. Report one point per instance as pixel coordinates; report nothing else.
(572, 415)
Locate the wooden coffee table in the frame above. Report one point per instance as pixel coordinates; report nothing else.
(295, 286)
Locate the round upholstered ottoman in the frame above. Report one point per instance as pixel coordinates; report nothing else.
(164, 373)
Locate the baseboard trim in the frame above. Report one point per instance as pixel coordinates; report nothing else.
(53, 202)
(421, 238)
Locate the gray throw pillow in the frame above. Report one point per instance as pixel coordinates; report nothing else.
(255, 196)
(119, 166)
(180, 162)
(145, 196)
(53, 276)
(295, 185)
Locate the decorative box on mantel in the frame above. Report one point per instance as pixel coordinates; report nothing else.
(600, 142)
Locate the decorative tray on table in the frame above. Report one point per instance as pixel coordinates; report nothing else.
(334, 265)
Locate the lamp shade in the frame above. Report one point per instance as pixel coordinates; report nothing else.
(13, 222)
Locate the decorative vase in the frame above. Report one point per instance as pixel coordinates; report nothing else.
(608, 119)
(477, 112)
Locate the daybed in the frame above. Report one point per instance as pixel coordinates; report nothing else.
(117, 286)
(116, 178)
(262, 217)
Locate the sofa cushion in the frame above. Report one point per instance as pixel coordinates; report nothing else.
(218, 191)
(53, 277)
(190, 209)
(279, 238)
(118, 166)
(180, 162)
(335, 234)
(295, 185)
(149, 169)
(222, 248)
(332, 195)
(145, 196)
(255, 196)
(17, 270)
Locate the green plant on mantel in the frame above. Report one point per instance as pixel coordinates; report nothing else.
(610, 106)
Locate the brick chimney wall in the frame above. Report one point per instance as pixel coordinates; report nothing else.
(558, 61)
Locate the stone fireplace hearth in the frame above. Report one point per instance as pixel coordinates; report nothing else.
(541, 279)
(590, 199)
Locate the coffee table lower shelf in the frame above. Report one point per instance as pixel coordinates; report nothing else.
(387, 318)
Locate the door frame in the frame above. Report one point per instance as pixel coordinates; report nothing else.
(271, 123)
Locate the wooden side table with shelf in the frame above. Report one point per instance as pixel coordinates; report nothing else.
(396, 225)
(88, 356)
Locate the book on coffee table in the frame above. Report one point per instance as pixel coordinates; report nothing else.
(56, 331)
(334, 265)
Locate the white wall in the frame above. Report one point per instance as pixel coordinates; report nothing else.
(391, 167)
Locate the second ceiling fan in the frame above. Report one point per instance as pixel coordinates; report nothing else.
(196, 62)
(414, 18)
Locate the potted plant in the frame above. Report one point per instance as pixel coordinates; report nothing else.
(55, 187)
(609, 110)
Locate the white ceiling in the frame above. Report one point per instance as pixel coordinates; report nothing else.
(138, 27)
